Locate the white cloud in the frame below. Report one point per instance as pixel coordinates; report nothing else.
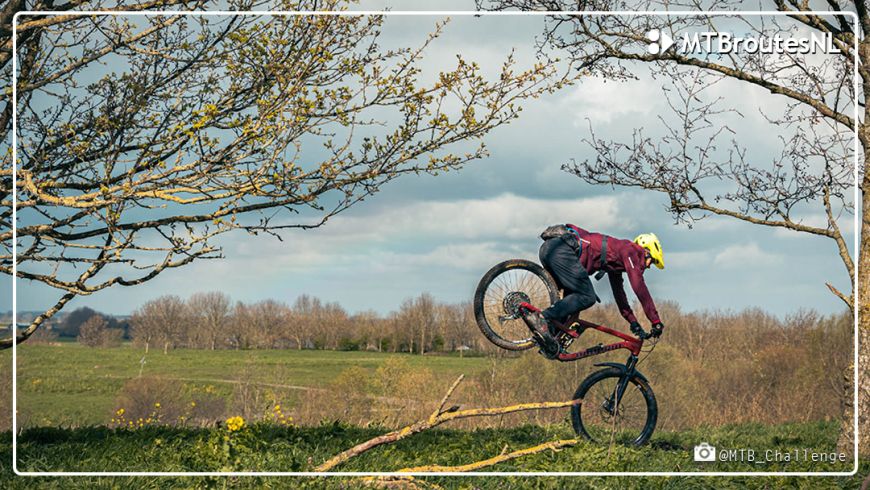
(462, 234)
(602, 101)
(474, 256)
(745, 254)
(506, 215)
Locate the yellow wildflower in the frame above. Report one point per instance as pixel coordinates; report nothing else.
(235, 423)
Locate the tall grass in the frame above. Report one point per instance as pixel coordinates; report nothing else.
(709, 369)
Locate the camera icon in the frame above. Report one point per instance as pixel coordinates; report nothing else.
(705, 452)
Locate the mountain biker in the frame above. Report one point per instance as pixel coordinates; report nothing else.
(571, 254)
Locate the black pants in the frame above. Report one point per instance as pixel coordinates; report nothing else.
(561, 259)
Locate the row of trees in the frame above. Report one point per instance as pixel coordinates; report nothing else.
(213, 321)
(73, 324)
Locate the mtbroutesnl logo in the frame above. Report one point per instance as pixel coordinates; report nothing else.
(728, 43)
(661, 41)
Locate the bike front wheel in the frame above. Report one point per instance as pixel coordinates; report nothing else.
(602, 419)
(499, 295)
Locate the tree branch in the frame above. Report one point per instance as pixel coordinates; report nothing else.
(773, 88)
(791, 225)
(437, 418)
(547, 446)
(39, 320)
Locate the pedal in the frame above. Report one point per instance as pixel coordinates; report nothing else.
(566, 339)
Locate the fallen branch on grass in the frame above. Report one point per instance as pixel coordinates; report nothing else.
(440, 416)
(548, 446)
(398, 483)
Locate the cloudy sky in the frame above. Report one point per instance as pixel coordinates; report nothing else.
(440, 234)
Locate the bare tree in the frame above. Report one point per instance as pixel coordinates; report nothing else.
(143, 329)
(92, 332)
(164, 321)
(210, 316)
(422, 319)
(694, 164)
(398, 334)
(96, 333)
(459, 326)
(369, 328)
(242, 332)
(271, 319)
(305, 312)
(332, 322)
(199, 130)
(293, 330)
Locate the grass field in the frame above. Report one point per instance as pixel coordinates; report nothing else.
(73, 385)
(270, 448)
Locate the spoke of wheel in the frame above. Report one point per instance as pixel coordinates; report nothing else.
(630, 415)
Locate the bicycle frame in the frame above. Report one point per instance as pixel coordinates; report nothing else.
(630, 343)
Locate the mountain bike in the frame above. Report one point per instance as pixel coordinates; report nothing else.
(617, 402)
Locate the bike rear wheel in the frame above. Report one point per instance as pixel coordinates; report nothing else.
(499, 294)
(633, 421)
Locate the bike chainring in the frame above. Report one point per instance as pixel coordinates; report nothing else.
(512, 302)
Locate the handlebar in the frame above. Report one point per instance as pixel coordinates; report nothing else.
(642, 334)
(638, 331)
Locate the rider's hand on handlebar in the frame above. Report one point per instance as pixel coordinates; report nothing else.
(637, 330)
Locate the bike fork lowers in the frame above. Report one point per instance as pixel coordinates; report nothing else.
(630, 365)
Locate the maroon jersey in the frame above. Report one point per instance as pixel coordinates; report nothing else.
(622, 256)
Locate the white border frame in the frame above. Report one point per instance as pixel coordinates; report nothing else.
(463, 13)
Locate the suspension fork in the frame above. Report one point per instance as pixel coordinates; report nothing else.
(616, 398)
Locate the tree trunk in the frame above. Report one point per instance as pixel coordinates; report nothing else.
(863, 293)
(846, 442)
(864, 390)
(166, 347)
(146, 347)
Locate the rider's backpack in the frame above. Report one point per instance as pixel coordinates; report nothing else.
(555, 231)
(564, 232)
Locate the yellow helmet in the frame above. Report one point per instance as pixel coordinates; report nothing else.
(651, 242)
